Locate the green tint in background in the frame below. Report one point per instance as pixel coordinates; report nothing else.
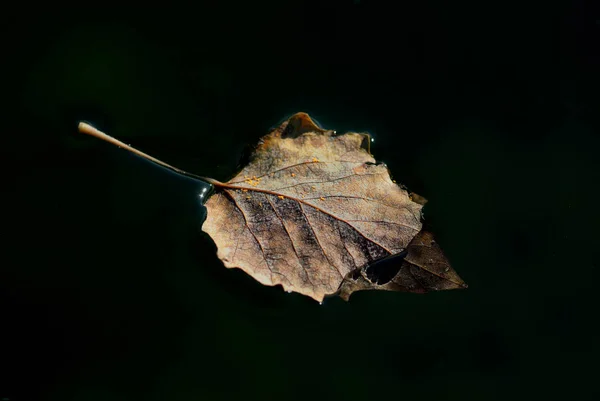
(110, 292)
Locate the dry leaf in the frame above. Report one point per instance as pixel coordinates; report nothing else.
(324, 217)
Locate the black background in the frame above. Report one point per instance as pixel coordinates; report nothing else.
(110, 292)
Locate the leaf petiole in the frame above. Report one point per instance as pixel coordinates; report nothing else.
(87, 129)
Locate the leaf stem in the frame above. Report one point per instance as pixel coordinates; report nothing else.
(87, 129)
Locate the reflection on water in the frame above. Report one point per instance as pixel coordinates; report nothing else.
(205, 191)
(202, 194)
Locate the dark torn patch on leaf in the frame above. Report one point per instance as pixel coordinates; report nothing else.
(384, 270)
(421, 268)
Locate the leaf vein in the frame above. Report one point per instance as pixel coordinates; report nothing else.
(366, 199)
(307, 163)
(326, 181)
(432, 272)
(387, 222)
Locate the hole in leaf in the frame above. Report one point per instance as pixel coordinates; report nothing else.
(355, 275)
(366, 142)
(288, 131)
(382, 271)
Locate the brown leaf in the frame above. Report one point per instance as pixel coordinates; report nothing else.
(322, 210)
(315, 213)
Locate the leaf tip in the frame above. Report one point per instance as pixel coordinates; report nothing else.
(418, 199)
(299, 124)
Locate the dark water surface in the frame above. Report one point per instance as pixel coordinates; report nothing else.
(110, 292)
